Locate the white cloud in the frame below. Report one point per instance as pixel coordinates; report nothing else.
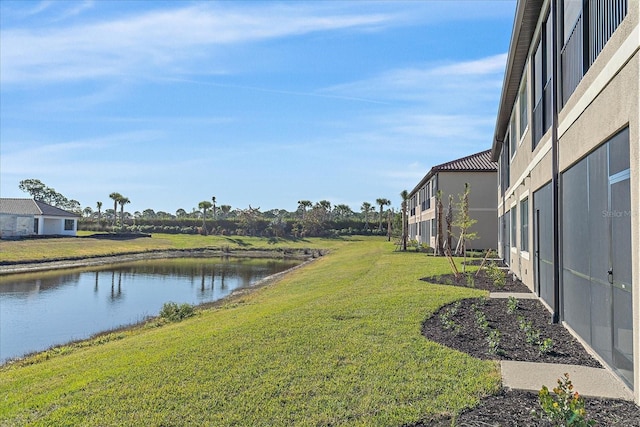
(157, 39)
(432, 83)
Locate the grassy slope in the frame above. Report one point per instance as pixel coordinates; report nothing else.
(336, 343)
(43, 249)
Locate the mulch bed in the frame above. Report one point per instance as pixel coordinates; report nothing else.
(481, 281)
(465, 334)
(456, 326)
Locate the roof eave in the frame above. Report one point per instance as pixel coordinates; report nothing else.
(524, 25)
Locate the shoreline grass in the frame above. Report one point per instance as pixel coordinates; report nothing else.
(335, 343)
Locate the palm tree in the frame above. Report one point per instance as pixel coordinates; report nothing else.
(204, 205)
(99, 206)
(123, 201)
(405, 196)
(213, 202)
(225, 210)
(116, 198)
(342, 211)
(366, 208)
(303, 205)
(382, 203)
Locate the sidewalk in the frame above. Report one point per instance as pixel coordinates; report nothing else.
(531, 376)
(589, 382)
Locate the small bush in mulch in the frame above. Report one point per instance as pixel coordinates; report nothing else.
(463, 331)
(467, 326)
(513, 408)
(484, 281)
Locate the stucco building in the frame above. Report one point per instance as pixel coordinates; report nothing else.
(568, 146)
(477, 170)
(28, 217)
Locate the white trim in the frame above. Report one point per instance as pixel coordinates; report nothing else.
(617, 62)
(525, 255)
(532, 165)
(482, 209)
(524, 196)
(523, 134)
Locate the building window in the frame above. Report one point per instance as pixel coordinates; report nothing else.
(68, 224)
(524, 225)
(513, 133)
(524, 109)
(505, 164)
(514, 225)
(542, 73)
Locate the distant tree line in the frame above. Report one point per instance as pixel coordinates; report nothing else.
(308, 220)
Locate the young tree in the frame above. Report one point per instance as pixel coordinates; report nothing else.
(449, 219)
(382, 203)
(405, 220)
(464, 222)
(439, 208)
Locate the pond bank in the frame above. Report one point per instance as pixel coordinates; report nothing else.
(56, 264)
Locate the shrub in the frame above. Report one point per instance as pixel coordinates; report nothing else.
(565, 407)
(174, 313)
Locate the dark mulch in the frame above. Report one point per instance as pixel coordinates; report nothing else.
(513, 408)
(465, 334)
(481, 281)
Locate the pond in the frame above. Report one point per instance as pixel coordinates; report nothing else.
(39, 310)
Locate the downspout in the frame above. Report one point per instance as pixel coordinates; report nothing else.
(554, 161)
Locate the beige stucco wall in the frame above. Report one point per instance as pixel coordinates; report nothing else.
(482, 206)
(606, 101)
(482, 203)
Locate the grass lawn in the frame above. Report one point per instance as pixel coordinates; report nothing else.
(56, 248)
(335, 343)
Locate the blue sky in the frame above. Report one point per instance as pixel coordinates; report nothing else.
(255, 103)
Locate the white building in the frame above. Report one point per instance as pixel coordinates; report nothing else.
(29, 217)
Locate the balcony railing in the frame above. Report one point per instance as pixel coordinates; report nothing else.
(604, 18)
(600, 22)
(571, 61)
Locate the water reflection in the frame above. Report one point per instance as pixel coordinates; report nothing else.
(39, 310)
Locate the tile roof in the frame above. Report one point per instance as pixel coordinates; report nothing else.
(479, 162)
(31, 207)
